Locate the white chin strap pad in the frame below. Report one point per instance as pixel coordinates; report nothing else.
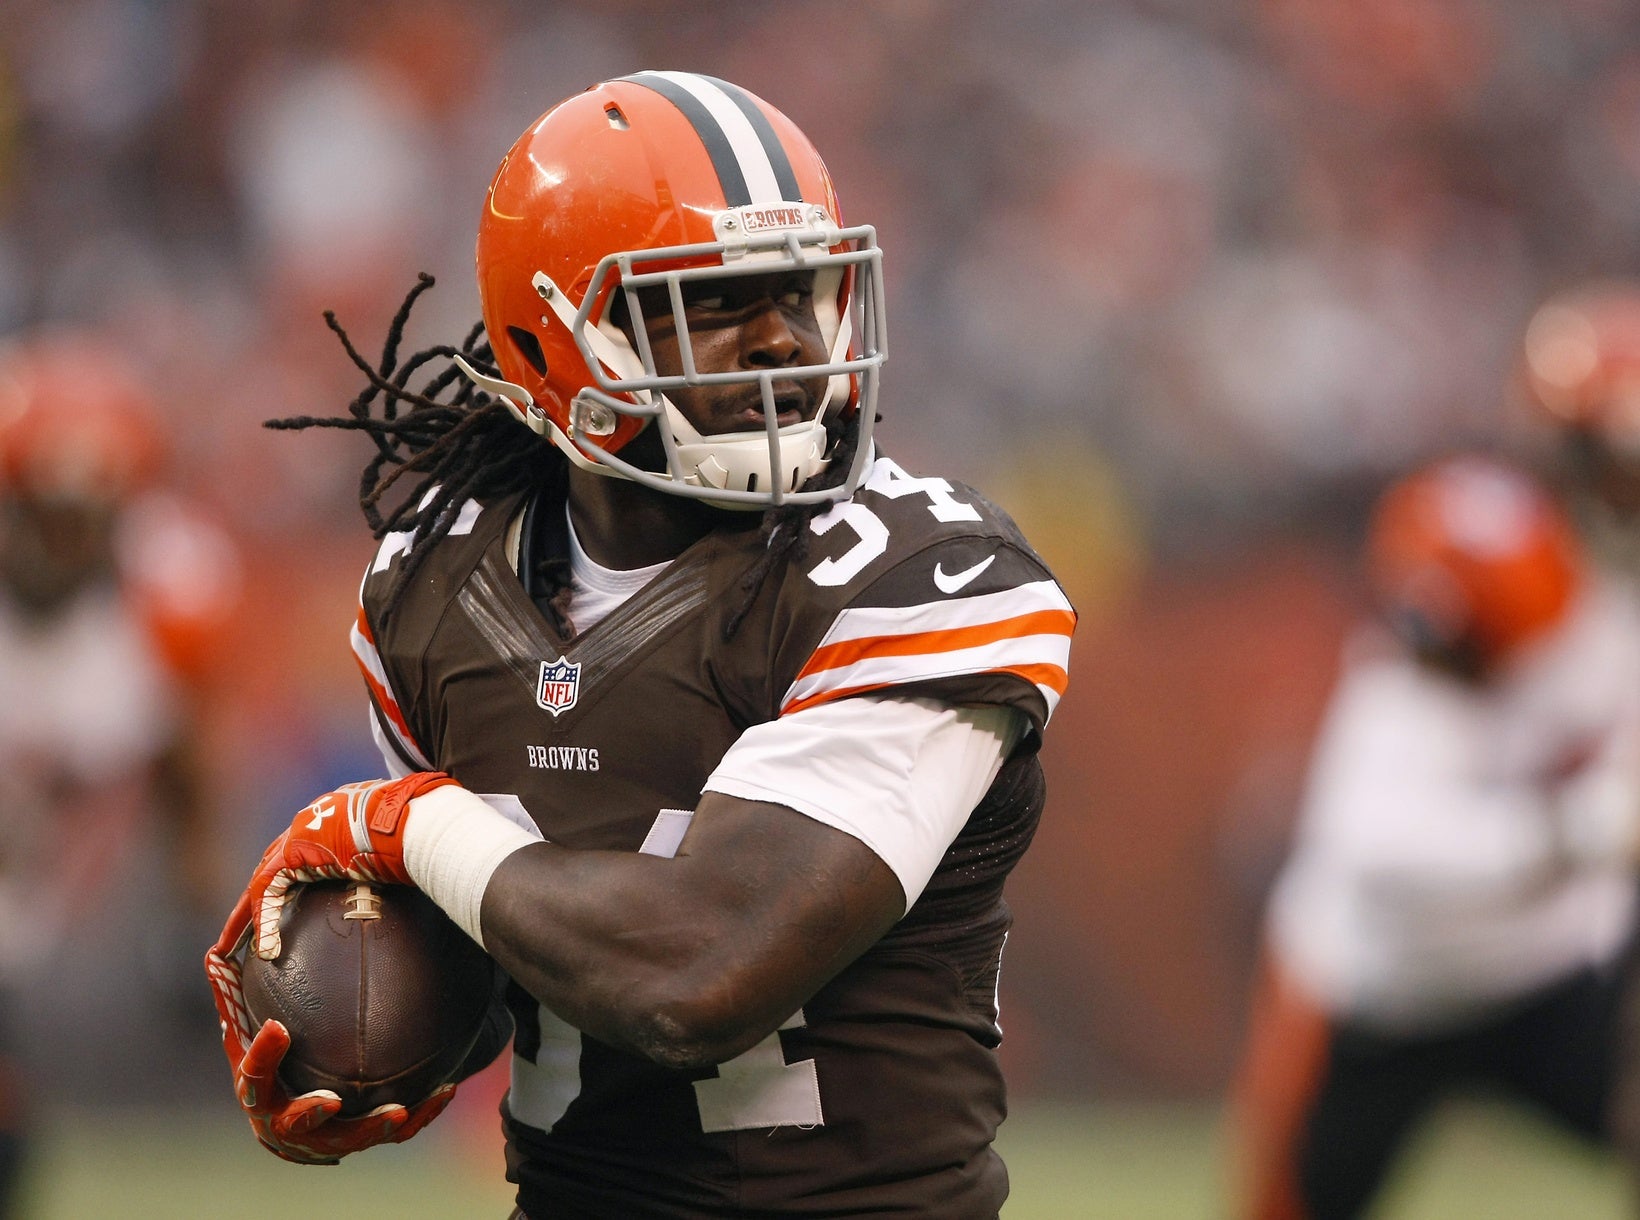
(739, 461)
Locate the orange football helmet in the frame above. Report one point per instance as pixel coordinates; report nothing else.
(75, 422)
(1471, 558)
(660, 179)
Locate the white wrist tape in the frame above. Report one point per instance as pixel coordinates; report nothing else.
(453, 842)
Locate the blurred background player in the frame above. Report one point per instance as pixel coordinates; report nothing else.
(1580, 369)
(1459, 897)
(113, 599)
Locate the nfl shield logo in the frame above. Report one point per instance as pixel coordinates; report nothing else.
(559, 685)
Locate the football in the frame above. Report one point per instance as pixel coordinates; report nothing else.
(383, 995)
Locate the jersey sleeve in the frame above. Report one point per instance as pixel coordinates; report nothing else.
(390, 638)
(968, 619)
(389, 726)
(900, 775)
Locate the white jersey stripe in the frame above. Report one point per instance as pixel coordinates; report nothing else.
(743, 140)
(376, 678)
(882, 671)
(948, 614)
(369, 659)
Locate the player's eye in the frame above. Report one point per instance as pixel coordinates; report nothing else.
(792, 292)
(796, 295)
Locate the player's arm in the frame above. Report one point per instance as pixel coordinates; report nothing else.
(815, 834)
(691, 960)
(685, 960)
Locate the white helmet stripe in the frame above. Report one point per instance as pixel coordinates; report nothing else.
(786, 185)
(764, 173)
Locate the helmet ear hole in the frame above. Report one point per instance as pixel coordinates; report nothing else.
(529, 347)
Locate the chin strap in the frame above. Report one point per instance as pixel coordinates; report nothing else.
(515, 396)
(787, 456)
(532, 416)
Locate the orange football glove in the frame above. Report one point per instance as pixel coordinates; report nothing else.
(354, 832)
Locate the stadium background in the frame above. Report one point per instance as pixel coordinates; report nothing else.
(1178, 283)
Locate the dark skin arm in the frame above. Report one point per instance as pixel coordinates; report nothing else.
(693, 960)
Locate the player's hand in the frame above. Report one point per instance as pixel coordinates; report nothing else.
(305, 1129)
(354, 833)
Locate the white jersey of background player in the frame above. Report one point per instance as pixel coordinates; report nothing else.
(1467, 830)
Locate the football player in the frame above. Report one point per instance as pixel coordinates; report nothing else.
(1580, 369)
(1459, 896)
(741, 715)
(115, 595)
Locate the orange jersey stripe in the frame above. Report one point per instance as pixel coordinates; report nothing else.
(847, 652)
(384, 700)
(1051, 676)
(378, 689)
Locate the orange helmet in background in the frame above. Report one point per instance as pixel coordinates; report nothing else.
(1471, 560)
(82, 500)
(75, 421)
(1581, 361)
(652, 181)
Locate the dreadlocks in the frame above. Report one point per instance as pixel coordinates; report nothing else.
(463, 444)
(466, 444)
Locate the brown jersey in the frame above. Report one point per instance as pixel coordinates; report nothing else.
(882, 1094)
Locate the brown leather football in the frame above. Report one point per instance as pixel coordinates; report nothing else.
(383, 995)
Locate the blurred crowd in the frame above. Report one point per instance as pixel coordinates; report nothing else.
(1242, 251)
(1181, 283)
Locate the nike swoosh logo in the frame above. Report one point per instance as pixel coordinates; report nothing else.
(956, 580)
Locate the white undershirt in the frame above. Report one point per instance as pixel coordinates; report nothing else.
(596, 592)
